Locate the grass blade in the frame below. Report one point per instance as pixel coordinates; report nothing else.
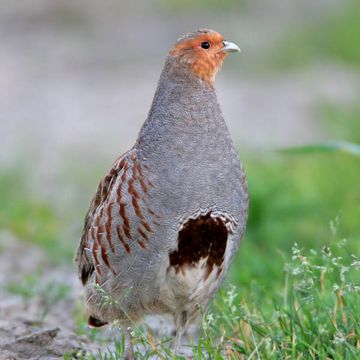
(330, 146)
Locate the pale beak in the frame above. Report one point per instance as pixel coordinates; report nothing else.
(230, 47)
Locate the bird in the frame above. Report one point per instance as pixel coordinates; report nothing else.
(167, 219)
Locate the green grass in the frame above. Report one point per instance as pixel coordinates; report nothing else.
(342, 122)
(314, 315)
(292, 198)
(333, 38)
(28, 216)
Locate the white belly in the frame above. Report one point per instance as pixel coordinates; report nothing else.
(192, 285)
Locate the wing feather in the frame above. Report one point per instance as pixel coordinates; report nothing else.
(119, 221)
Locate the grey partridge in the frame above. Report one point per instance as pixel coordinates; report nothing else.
(167, 219)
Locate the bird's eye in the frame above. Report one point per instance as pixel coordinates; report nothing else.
(205, 45)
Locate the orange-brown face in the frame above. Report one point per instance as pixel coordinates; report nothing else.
(204, 52)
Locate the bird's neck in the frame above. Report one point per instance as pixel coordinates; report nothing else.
(182, 104)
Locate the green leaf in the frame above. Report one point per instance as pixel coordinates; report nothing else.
(330, 146)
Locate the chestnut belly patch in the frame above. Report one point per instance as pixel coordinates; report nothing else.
(203, 237)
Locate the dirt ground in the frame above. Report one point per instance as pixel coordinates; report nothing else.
(76, 81)
(24, 334)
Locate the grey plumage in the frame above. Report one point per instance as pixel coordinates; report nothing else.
(183, 166)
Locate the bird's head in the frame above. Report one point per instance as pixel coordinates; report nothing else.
(203, 51)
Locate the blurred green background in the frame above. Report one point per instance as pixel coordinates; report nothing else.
(76, 82)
